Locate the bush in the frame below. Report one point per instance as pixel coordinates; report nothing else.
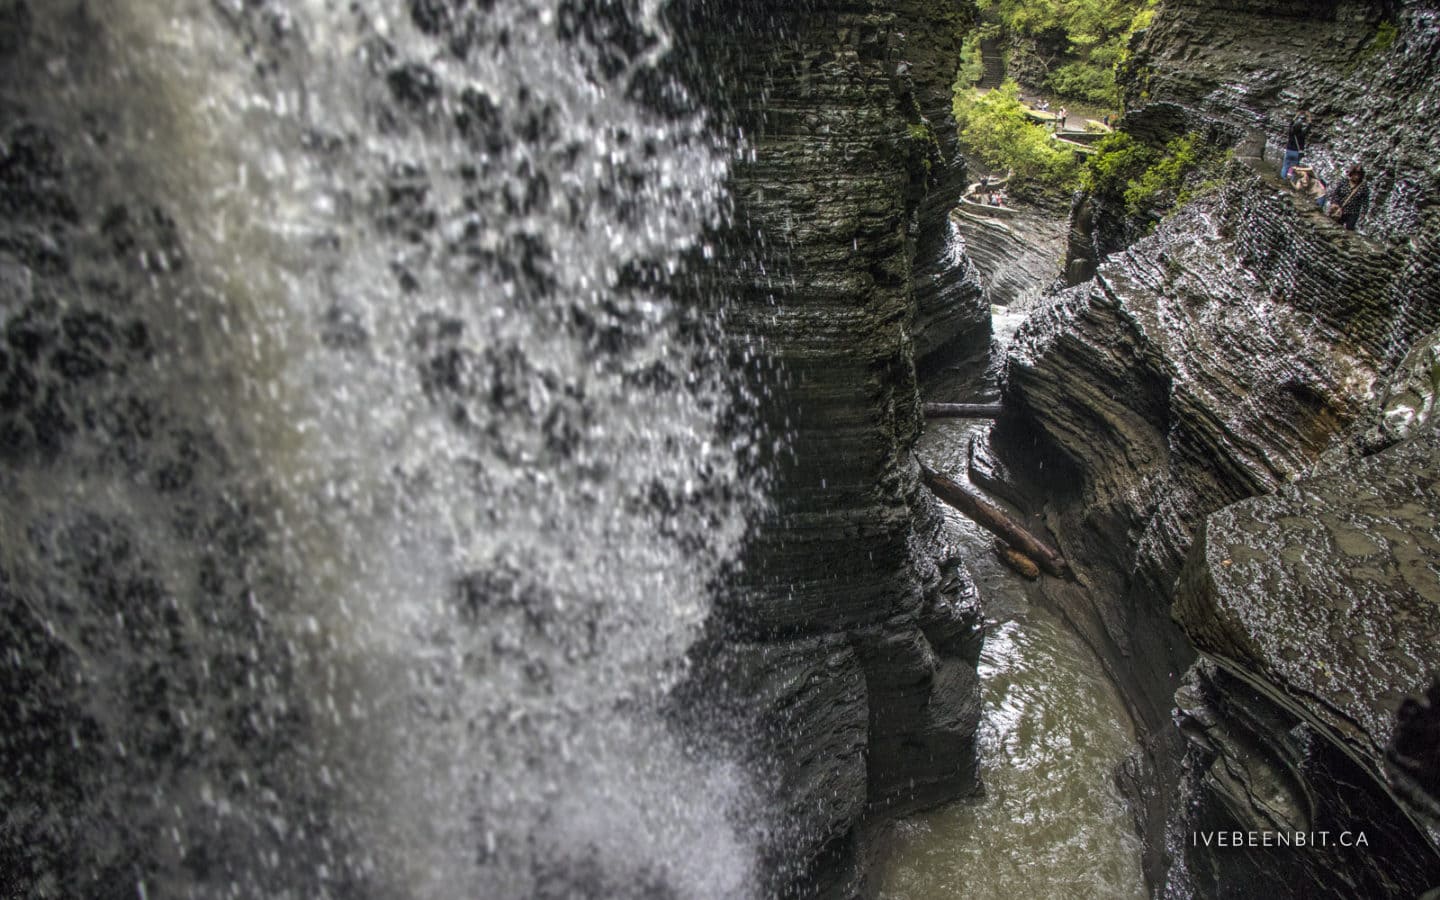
(972, 64)
(1159, 185)
(1085, 81)
(1148, 179)
(1385, 35)
(1118, 160)
(1143, 16)
(1092, 35)
(994, 127)
(1087, 23)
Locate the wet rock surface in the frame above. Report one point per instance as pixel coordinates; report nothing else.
(1321, 604)
(1246, 344)
(1245, 67)
(1255, 767)
(1015, 250)
(839, 265)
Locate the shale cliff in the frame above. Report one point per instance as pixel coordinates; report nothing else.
(1243, 346)
(850, 630)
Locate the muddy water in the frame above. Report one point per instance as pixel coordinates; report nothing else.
(1050, 822)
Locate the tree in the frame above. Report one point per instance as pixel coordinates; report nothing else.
(995, 127)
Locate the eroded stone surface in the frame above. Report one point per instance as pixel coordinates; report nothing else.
(1014, 252)
(1244, 345)
(1326, 595)
(1409, 403)
(840, 275)
(1246, 66)
(1255, 767)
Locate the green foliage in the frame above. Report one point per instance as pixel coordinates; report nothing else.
(1086, 23)
(1092, 35)
(1148, 179)
(972, 59)
(1385, 35)
(1159, 184)
(1085, 81)
(1118, 160)
(1199, 189)
(972, 65)
(1143, 16)
(925, 146)
(995, 128)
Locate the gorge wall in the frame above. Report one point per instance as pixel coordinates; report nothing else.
(1244, 347)
(857, 628)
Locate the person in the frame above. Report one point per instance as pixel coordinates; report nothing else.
(1107, 120)
(1063, 115)
(1350, 198)
(1295, 141)
(1306, 183)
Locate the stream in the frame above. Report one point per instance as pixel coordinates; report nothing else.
(1049, 821)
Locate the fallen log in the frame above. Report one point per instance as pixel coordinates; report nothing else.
(962, 410)
(992, 518)
(1017, 561)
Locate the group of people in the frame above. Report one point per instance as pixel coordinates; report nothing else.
(987, 194)
(1346, 200)
(1043, 105)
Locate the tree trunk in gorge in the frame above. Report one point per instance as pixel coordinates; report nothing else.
(989, 516)
(962, 410)
(1018, 562)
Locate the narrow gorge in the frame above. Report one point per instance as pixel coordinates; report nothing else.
(474, 448)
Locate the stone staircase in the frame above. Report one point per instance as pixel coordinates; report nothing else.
(993, 64)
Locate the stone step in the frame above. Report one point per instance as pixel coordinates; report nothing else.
(992, 65)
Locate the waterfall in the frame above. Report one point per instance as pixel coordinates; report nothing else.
(366, 466)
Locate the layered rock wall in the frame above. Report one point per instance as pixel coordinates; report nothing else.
(1320, 605)
(855, 626)
(1015, 251)
(1364, 70)
(1242, 346)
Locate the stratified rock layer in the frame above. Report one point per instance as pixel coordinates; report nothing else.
(838, 275)
(1321, 604)
(1365, 71)
(1014, 250)
(1244, 345)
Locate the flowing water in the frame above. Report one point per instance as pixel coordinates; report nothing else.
(1050, 821)
(361, 489)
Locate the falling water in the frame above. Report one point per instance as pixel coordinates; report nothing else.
(362, 483)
